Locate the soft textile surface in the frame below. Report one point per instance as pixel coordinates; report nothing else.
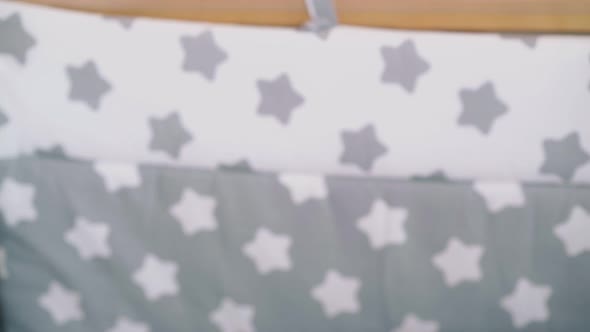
(166, 176)
(194, 250)
(361, 101)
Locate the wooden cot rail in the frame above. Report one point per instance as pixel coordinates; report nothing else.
(561, 16)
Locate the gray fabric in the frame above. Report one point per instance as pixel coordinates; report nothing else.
(518, 242)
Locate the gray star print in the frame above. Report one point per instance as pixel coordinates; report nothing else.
(168, 135)
(55, 152)
(361, 147)
(481, 107)
(530, 40)
(564, 156)
(437, 176)
(202, 54)
(87, 85)
(242, 166)
(124, 21)
(403, 65)
(15, 40)
(3, 118)
(278, 98)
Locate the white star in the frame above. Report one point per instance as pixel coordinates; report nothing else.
(459, 262)
(156, 277)
(269, 251)
(16, 202)
(303, 187)
(3, 269)
(118, 175)
(337, 294)
(574, 233)
(195, 212)
(500, 195)
(62, 304)
(384, 225)
(233, 317)
(89, 238)
(412, 323)
(124, 324)
(527, 303)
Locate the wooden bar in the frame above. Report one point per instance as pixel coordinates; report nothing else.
(571, 16)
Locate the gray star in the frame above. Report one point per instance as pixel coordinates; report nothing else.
(564, 156)
(55, 152)
(403, 65)
(3, 118)
(529, 40)
(242, 166)
(169, 135)
(361, 147)
(16, 41)
(202, 54)
(278, 98)
(87, 85)
(481, 107)
(125, 21)
(437, 176)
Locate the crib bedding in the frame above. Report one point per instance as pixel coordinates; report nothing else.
(358, 102)
(198, 250)
(180, 176)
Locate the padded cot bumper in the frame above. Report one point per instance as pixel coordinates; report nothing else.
(359, 102)
(175, 176)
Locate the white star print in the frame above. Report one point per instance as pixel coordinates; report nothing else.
(16, 202)
(574, 233)
(304, 187)
(89, 238)
(527, 303)
(337, 294)
(62, 304)
(384, 225)
(3, 269)
(500, 195)
(156, 277)
(233, 317)
(124, 324)
(118, 175)
(459, 262)
(195, 212)
(269, 251)
(412, 323)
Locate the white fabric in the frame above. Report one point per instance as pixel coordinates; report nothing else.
(546, 89)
